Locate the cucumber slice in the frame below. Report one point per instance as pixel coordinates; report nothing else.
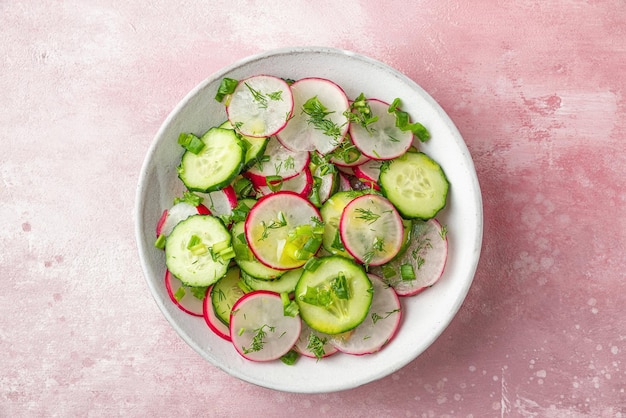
(284, 284)
(371, 229)
(215, 324)
(225, 293)
(415, 184)
(197, 265)
(213, 168)
(331, 214)
(334, 296)
(255, 146)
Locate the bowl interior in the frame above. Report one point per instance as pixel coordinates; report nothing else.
(425, 316)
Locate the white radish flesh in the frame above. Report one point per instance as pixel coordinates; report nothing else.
(270, 223)
(306, 132)
(381, 140)
(183, 297)
(177, 213)
(259, 329)
(314, 344)
(300, 184)
(280, 161)
(426, 254)
(260, 106)
(378, 328)
(371, 229)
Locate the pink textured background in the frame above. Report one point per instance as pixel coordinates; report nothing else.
(537, 89)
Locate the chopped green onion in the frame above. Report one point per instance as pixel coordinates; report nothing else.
(227, 253)
(160, 242)
(193, 241)
(312, 264)
(198, 292)
(340, 286)
(227, 86)
(243, 187)
(406, 272)
(290, 307)
(275, 183)
(221, 246)
(290, 358)
(180, 293)
(402, 122)
(191, 142)
(312, 245)
(189, 197)
(388, 271)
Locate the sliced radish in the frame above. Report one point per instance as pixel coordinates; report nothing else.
(259, 329)
(260, 106)
(221, 202)
(321, 129)
(272, 230)
(369, 171)
(177, 213)
(344, 183)
(314, 344)
(300, 184)
(381, 140)
(279, 161)
(214, 323)
(371, 229)
(378, 328)
(182, 296)
(426, 255)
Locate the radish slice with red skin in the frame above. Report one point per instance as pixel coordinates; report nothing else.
(259, 329)
(378, 328)
(218, 327)
(220, 202)
(382, 140)
(304, 347)
(188, 303)
(300, 184)
(369, 171)
(344, 183)
(427, 254)
(371, 229)
(280, 162)
(177, 213)
(269, 224)
(260, 106)
(302, 135)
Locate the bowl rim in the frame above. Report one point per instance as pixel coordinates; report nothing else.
(143, 247)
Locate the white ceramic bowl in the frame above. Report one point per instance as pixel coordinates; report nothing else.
(425, 316)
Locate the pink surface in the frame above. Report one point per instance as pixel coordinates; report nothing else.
(536, 88)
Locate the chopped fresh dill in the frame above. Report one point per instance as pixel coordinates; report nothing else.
(258, 340)
(367, 215)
